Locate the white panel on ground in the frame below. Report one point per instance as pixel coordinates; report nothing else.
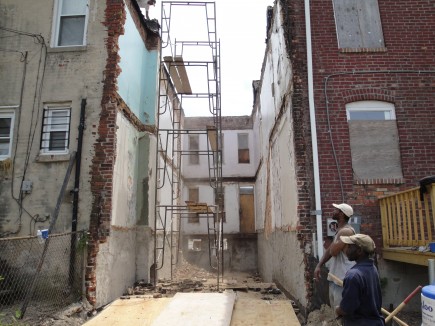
(211, 309)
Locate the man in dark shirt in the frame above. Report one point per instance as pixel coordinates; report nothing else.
(362, 298)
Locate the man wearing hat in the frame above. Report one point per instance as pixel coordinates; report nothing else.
(362, 298)
(338, 262)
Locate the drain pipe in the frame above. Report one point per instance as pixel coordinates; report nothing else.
(318, 211)
(72, 259)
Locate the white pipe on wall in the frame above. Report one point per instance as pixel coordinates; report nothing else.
(313, 130)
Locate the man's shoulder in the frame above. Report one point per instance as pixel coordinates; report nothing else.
(346, 230)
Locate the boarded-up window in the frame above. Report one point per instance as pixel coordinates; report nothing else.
(193, 149)
(194, 197)
(374, 140)
(243, 145)
(358, 24)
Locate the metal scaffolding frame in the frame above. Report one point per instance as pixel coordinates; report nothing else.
(181, 59)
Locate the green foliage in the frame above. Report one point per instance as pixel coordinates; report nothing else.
(82, 243)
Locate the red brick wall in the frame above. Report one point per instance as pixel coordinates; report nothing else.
(105, 147)
(404, 75)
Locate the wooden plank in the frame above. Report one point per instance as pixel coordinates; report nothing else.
(248, 312)
(186, 89)
(407, 217)
(211, 309)
(134, 311)
(428, 226)
(414, 197)
(421, 220)
(384, 221)
(173, 72)
(407, 256)
(212, 137)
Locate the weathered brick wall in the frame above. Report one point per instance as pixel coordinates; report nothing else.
(402, 75)
(294, 28)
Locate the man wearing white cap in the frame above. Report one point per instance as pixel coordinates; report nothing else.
(362, 297)
(339, 264)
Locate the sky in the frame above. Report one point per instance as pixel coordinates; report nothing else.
(241, 29)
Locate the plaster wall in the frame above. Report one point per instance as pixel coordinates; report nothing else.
(57, 75)
(206, 195)
(280, 256)
(116, 268)
(230, 166)
(125, 174)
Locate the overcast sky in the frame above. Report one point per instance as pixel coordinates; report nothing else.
(241, 29)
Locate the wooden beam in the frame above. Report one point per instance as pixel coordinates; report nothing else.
(407, 256)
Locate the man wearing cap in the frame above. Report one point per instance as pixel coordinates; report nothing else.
(339, 264)
(362, 298)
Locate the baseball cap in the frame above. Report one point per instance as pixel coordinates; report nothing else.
(361, 240)
(345, 208)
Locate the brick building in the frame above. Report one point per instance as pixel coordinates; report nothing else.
(360, 83)
(79, 87)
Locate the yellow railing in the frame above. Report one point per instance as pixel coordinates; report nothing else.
(408, 221)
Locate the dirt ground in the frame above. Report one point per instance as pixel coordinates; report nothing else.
(189, 278)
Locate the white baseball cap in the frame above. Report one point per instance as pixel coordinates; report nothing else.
(345, 208)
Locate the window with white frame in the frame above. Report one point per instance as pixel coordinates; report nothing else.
(358, 24)
(374, 140)
(55, 130)
(70, 22)
(6, 133)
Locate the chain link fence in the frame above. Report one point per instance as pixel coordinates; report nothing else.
(38, 276)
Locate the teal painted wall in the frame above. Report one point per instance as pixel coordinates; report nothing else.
(137, 83)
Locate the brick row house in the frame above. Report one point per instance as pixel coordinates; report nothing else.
(79, 88)
(345, 112)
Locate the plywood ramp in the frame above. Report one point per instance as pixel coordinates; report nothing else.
(252, 312)
(134, 311)
(198, 309)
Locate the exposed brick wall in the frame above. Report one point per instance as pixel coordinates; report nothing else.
(403, 74)
(105, 147)
(294, 26)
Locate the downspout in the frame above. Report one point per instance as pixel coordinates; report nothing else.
(318, 211)
(72, 260)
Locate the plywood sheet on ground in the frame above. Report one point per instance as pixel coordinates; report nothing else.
(134, 311)
(249, 312)
(198, 309)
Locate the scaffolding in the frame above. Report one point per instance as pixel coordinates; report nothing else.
(189, 84)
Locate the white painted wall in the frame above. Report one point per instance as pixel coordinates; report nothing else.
(230, 166)
(280, 256)
(206, 195)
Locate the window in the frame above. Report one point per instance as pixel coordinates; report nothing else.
(194, 197)
(374, 140)
(6, 133)
(194, 148)
(55, 130)
(70, 22)
(243, 145)
(358, 24)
